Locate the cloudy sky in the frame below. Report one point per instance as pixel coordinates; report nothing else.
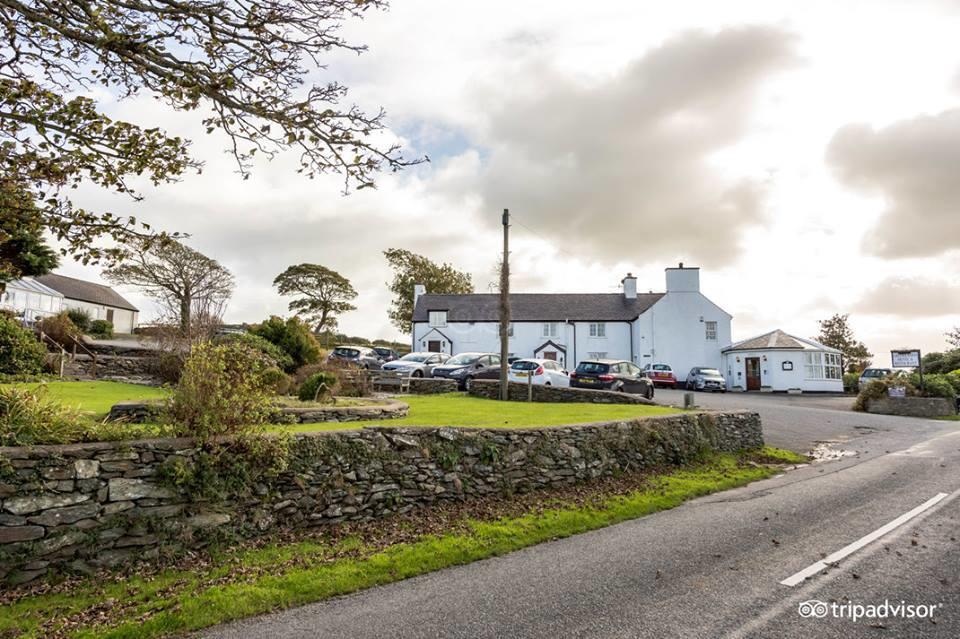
(805, 155)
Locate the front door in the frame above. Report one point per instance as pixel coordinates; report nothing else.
(753, 373)
(433, 346)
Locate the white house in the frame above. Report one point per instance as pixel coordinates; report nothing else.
(776, 361)
(102, 302)
(680, 327)
(31, 300)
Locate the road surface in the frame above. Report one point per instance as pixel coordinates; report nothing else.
(715, 566)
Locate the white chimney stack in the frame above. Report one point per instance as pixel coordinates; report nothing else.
(683, 279)
(629, 287)
(418, 290)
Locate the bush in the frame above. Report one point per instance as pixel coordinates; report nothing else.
(851, 382)
(934, 385)
(277, 381)
(101, 328)
(61, 329)
(274, 355)
(28, 417)
(941, 362)
(20, 352)
(221, 392)
(318, 386)
(80, 318)
(167, 367)
(293, 336)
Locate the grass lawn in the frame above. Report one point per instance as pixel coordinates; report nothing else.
(96, 398)
(245, 582)
(459, 409)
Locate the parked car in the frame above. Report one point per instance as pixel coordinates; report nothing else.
(417, 364)
(661, 374)
(612, 374)
(467, 367)
(873, 374)
(705, 379)
(360, 356)
(386, 354)
(543, 372)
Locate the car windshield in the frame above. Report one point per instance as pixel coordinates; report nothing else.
(414, 357)
(875, 372)
(661, 367)
(382, 351)
(346, 352)
(524, 365)
(710, 371)
(592, 367)
(462, 359)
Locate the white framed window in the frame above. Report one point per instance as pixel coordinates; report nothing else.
(710, 328)
(438, 318)
(832, 366)
(813, 366)
(551, 329)
(598, 355)
(598, 329)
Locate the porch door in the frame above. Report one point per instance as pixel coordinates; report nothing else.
(433, 346)
(753, 373)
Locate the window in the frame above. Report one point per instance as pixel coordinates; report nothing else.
(833, 368)
(438, 318)
(494, 360)
(813, 365)
(711, 331)
(598, 329)
(550, 329)
(597, 355)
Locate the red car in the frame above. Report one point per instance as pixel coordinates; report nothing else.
(661, 375)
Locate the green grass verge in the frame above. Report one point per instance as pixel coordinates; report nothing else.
(179, 601)
(459, 409)
(94, 399)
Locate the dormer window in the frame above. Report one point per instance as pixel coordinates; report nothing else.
(438, 318)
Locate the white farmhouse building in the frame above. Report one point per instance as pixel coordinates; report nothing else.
(776, 361)
(102, 302)
(680, 327)
(31, 300)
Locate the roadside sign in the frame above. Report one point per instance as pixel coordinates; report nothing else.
(905, 358)
(897, 391)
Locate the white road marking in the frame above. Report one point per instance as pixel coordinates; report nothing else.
(813, 569)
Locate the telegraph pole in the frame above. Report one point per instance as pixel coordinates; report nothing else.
(505, 307)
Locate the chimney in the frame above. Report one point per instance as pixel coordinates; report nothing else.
(629, 287)
(418, 290)
(683, 279)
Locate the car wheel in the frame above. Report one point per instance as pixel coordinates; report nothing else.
(649, 393)
(467, 383)
(418, 373)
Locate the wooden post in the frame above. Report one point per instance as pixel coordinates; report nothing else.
(505, 308)
(529, 388)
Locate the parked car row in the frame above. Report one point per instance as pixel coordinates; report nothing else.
(700, 378)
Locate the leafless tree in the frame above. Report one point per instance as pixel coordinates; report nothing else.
(192, 288)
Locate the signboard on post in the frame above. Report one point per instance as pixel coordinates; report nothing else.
(905, 359)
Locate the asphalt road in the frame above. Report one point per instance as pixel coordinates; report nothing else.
(712, 567)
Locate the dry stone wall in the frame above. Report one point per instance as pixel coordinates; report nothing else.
(84, 506)
(490, 389)
(912, 406)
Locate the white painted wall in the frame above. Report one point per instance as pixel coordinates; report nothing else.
(772, 375)
(124, 320)
(671, 332)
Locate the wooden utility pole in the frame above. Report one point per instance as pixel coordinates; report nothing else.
(505, 307)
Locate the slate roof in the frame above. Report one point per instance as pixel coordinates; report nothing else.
(537, 307)
(75, 289)
(778, 340)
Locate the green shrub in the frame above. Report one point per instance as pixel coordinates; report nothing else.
(28, 417)
(61, 329)
(293, 336)
(80, 318)
(221, 392)
(851, 382)
(935, 385)
(101, 328)
(168, 366)
(941, 362)
(318, 386)
(20, 352)
(954, 378)
(873, 390)
(276, 355)
(277, 381)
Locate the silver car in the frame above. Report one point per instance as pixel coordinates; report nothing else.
(706, 379)
(417, 364)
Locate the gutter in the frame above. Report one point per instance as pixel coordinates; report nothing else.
(630, 326)
(574, 325)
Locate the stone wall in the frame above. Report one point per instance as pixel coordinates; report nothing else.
(142, 412)
(84, 506)
(117, 367)
(912, 406)
(490, 389)
(432, 386)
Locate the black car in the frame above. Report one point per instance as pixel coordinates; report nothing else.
(386, 354)
(467, 367)
(612, 374)
(360, 356)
